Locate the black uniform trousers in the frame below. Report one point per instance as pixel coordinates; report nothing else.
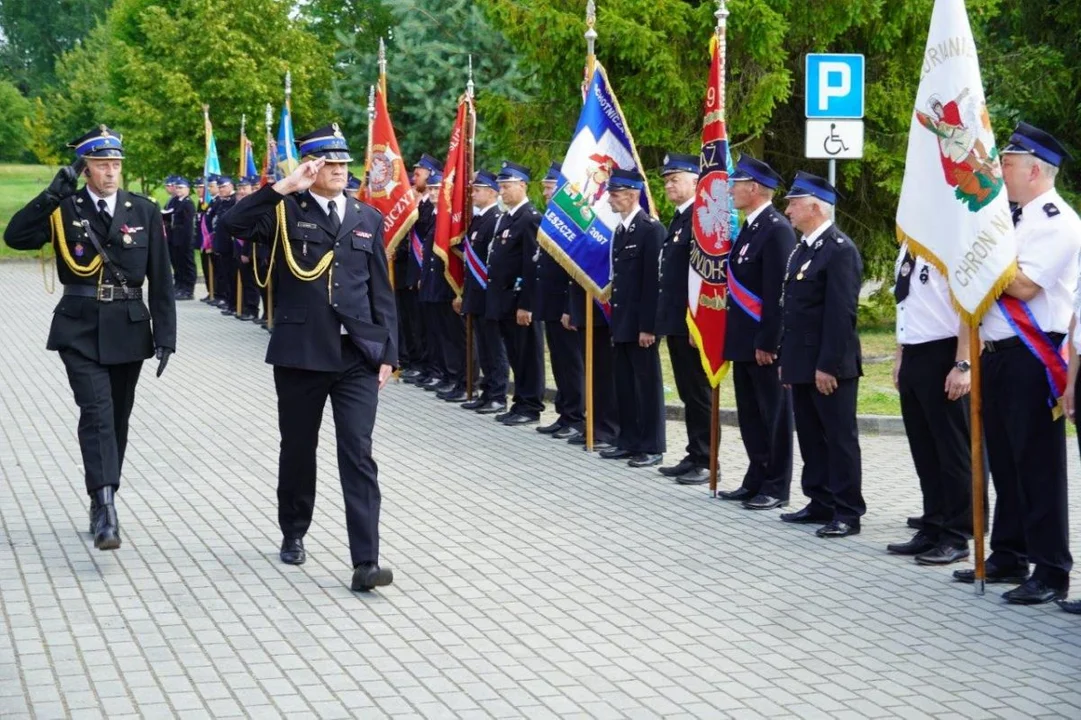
(410, 330)
(105, 395)
(764, 410)
(830, 446)
(639, 397)
(183, 262)
(1026, 450)
(605, 407)
(249, 292)
(353, 393)
(938, 436)
(695, 394)
(525, 351)
(492, 358)
(204, 259)
(568, 369)
(446, 331)
(225, 279)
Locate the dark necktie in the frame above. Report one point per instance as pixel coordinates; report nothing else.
(1016, 213)
(335, 221)
(904, 278)
(103, 211)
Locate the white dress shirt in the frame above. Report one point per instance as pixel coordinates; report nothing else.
(339, 204)
(927, 313)
(810, 239)
(683, 208)
(626, 222)
(753, 215)
(1047, 252)
(110, 201)
(517, 207)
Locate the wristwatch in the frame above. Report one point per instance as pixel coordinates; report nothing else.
(963, 366)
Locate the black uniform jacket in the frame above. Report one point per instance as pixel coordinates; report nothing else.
(757, 262)
(353, 294)
(675, 264)
(511, 270)
(110, 333)
(479, 238)
(635, 278)
(821, 294)
(181, 223)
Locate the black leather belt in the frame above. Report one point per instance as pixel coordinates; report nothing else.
(996, 345)
(104, 293)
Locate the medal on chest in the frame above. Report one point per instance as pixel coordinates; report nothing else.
(79, 250)
(803, 269)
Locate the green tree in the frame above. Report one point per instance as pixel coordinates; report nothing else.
(33, 33)
(14, 111)
(428, 52)
(151, 66)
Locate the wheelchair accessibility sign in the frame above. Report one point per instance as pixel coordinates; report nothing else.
(834, 139)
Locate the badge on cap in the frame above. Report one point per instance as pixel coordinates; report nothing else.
(337, 132)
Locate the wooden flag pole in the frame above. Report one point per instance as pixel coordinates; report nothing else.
(976, 435)
(471, 137)
(591, 61)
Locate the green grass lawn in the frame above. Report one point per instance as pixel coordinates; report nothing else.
(18, 185)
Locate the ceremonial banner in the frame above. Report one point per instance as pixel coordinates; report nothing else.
(250, 170)
(953, 209)
(286, 148)
(715, 223)
(454, 199)
(388, 187)
(211, 164)
(578, 223)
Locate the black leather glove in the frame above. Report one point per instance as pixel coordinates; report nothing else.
(162, 354)
(63, 185)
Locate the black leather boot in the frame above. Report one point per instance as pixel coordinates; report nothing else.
(104, 525)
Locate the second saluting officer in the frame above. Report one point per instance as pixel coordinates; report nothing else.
(820, 359)
(335, 335)
(108, 241)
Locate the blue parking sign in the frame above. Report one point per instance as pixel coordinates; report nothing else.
(834, 85)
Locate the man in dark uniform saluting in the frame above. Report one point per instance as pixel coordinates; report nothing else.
(108, 242)
(636, 249)
(511, 272)
(335, 335)
(820, 359)
(756, 268)
(680, 173)
(491, 354)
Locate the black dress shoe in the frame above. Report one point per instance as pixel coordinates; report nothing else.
(444, 386)
(567, 433)
(104, 524)
(599, 446)
(804, 517)
(228, 311)
(455, 396)
(578, 440)
(246, 317)
(474, 404)
(943, 554)
(641, 460)
(493, 407)
(915, 522)
(369, 575)
(993, 575)
(261, 322)
(740, 493)
(694, 476)
(1071, 606)
(416, 379)
(551, 429)
(1034, 592)
(614, 453)
(292, 552)
(206, 299)
(764, 502)
(837, 529)
(519, 419)
(429, 383)
(920, 543)
(683, 466)
(410, 374)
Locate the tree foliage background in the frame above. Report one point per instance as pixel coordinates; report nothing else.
(146, 68)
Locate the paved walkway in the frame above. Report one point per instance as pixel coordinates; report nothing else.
(531, 580)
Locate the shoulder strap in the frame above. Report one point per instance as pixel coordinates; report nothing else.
(118, 276)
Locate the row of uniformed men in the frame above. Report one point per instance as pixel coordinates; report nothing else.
(513, 286)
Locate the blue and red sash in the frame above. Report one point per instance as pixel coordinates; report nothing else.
(746, 300)
(417, 246)
(1019, 316)
(606, 310)
(475, 264)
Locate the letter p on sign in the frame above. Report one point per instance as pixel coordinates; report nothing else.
(834, 86)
